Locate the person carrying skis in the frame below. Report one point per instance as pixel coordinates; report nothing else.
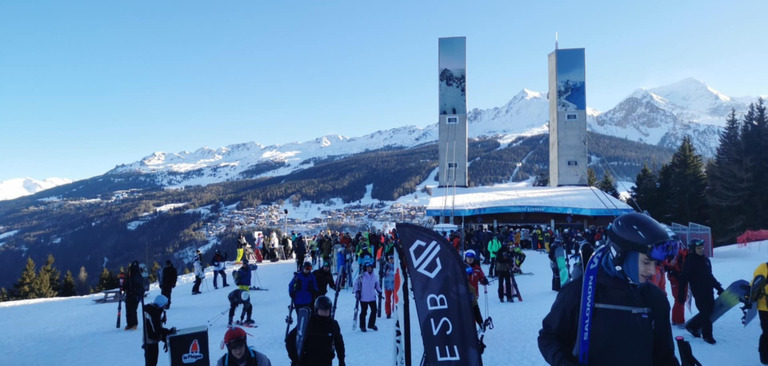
(199, 274)
(154, 318)
(240, 297)
(628, 320)
(697, 271)
(389, 285)
(238, 351)
(218, 269)
(134, 292)
(322, 336)
(303, 287)
(367, 289)
(170, 275)
(243, 276)
(475, 275)
(553, 264)
(324, 279)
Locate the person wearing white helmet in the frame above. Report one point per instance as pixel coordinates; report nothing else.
(475, 275)
(154, 317)
(240, 297)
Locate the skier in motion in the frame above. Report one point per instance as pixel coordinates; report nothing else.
(629, 319)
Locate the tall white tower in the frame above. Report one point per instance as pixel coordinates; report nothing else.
(567, 118)
(452, 71)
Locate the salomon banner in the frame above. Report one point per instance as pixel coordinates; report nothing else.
(442, 297)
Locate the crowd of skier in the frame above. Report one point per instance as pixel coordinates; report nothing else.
(618, 271)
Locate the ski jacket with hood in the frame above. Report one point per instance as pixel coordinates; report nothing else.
(697, 271)
(618, 335)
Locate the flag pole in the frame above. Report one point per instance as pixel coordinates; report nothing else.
(406, 307)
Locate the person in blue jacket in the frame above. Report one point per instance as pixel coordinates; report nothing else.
(303, 287)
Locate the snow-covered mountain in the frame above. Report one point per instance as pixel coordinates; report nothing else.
(659, 116)
(664, 115)
(18, 187)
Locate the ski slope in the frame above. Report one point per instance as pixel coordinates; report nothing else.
(77, 331)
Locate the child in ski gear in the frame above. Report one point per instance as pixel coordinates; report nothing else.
(697, 271)
(134, 292)
(240, 297)
(518, 257)
(324, 279)
(238, 351)
(475, 275)
(154, 318)
(303, 287)
(243, 276)
(218, 269)
(367, 289)
(322, 336)
(389, 285)
(199, 274)
(628, 320)
(170, 275)
(762, 311)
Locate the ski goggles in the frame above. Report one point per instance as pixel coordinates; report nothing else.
(236, 343)
(664, 250)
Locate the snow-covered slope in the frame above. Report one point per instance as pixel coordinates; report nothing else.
(77, 331)
(18, 187)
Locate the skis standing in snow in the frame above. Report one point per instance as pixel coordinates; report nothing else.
(624, 319)
(321, 337)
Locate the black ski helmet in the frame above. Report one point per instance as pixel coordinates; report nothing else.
(323, 303)
(693, 243)
(634, 232)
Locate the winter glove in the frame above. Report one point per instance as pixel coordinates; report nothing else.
(485, 281)
(720, 290)
(357, 296)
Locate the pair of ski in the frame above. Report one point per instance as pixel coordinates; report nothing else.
(302, 320)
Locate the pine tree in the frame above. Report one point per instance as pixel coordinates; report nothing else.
(107, 281)
(48, 279)
(591, 177)
(643, 194)
(4, 295)
(608, 185)
(82, 282)
(25, 287)
(687, 184)
(726, 184)
(68, 286)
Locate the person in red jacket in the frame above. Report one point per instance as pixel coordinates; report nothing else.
(674, 269)
(475, 276)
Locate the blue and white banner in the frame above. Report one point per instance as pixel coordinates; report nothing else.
(442, 297)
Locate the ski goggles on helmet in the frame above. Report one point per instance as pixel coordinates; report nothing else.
(236, 343)
(664, 250)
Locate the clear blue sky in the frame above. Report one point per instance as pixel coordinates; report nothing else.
(87, 85)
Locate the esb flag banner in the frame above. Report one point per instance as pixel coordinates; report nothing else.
(442, 297)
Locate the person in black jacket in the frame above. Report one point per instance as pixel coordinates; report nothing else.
(697, 271)
(322, 336)
(240, 297)
(134, 292)
(324, 279)
(154, 317)
(630, 317)
(300, 248)
(170, 275)
(219, 269)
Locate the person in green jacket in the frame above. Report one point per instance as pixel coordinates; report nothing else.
(493, 247)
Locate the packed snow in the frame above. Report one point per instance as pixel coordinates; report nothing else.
(78, 331)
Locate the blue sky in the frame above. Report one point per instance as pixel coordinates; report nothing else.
(87, 85)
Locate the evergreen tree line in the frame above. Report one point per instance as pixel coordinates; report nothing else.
(727, 193)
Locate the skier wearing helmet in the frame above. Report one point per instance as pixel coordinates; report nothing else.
(303, 287)
(240, 297)
(322, 337)
(622, 318)
(238, 351)
(697, 271)
(475, 275)
(366, 289)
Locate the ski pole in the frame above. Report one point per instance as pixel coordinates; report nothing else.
(215, 318)
(259, 279)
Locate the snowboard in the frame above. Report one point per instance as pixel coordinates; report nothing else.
(750, 305)
(302, 319)
(355, 315)
(734, 294)
(562, 265)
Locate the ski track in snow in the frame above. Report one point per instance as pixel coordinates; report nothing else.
(77, 331)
